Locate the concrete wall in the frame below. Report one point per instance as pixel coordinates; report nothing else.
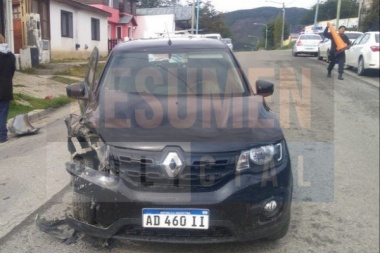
(62, 47)
(149, 26)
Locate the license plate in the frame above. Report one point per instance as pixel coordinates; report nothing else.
(176, 218)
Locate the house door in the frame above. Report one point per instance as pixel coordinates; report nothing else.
(17, 28)
(17, 35)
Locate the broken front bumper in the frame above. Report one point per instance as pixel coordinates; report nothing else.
(236, 208)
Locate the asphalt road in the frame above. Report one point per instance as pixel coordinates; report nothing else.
(332, 128)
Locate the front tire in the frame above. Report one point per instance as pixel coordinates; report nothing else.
(361, 69)
(319, 56)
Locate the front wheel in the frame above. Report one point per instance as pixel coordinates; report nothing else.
(361, 69)
(319, 56)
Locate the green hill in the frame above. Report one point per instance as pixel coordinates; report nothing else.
(241, 23)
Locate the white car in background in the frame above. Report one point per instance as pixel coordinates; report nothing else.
(324, 47)
(364, 53)
(307, 44)
(228, 42)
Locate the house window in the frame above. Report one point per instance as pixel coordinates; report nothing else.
(66, 24)
(16, 11)
(95, 29)
(118, 32)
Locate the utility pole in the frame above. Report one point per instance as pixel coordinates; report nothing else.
(197, 15)
(283, 23)
(316, 16)
(192, 18)
(338, 14)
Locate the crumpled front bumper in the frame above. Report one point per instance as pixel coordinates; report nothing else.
(236, 208)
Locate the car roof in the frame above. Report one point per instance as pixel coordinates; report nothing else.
(172, 43)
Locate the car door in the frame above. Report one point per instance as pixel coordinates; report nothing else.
(352, 54)
(89, 81)
(324, 47)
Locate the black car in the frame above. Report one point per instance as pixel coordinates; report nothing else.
(174, 145)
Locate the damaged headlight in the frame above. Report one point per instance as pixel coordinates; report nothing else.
(258, 157)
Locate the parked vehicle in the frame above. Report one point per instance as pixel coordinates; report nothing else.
(175, 146)
(324, 47)
(364, 53)
(216, 36)
(306, 44)
(228, 42)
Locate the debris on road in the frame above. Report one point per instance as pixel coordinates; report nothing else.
(21, 126)
(58, 229)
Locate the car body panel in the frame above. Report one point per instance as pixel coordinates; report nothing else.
(307, 44)
(362, 49)
(128, 159)
(228, 42)
(324, 47)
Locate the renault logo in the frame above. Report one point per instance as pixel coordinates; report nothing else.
(173, 164)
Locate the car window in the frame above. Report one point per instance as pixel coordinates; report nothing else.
(365, 39)
(227, 41)
(326, 40)
(377, 37)
(357, 41)
(353, 36)
(174, 73)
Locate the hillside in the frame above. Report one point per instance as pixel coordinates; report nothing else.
(241, 23)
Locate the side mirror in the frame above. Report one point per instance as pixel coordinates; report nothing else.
(77, 90)
(264, 88)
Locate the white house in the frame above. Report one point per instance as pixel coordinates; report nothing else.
(154, 21)
(76, 28)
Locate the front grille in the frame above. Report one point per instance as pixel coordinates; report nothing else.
(144, 169)
(212, 232)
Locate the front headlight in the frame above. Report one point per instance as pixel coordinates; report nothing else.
(259, 156)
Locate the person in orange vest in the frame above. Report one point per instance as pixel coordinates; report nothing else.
(335, 55)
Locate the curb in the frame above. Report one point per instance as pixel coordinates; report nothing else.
(38, 114)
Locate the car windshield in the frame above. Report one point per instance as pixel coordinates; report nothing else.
(310, 37)
(174, 73)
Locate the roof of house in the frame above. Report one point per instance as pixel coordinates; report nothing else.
(180, 13)
(125, 19)
(85, 7)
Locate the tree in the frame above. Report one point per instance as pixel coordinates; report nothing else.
(211, 21)
(370, 20)
(327, 10)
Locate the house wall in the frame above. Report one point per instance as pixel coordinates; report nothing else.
(149, 26)
(62, 47)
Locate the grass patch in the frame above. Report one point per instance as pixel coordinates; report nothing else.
(62, 79)
(289, 46)
(30, 103)
(18, 85)
(30, 71)
(80, 71)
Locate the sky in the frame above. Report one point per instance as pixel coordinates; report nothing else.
(228, 5)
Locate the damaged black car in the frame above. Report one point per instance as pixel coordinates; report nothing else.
(172, 144)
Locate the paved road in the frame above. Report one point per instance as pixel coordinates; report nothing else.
(332, 128)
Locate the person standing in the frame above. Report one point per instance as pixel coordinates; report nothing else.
(337, 56)
(7, 70)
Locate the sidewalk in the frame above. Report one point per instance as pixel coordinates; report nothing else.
(40, 85)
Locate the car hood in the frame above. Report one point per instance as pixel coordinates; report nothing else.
(153, 122)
